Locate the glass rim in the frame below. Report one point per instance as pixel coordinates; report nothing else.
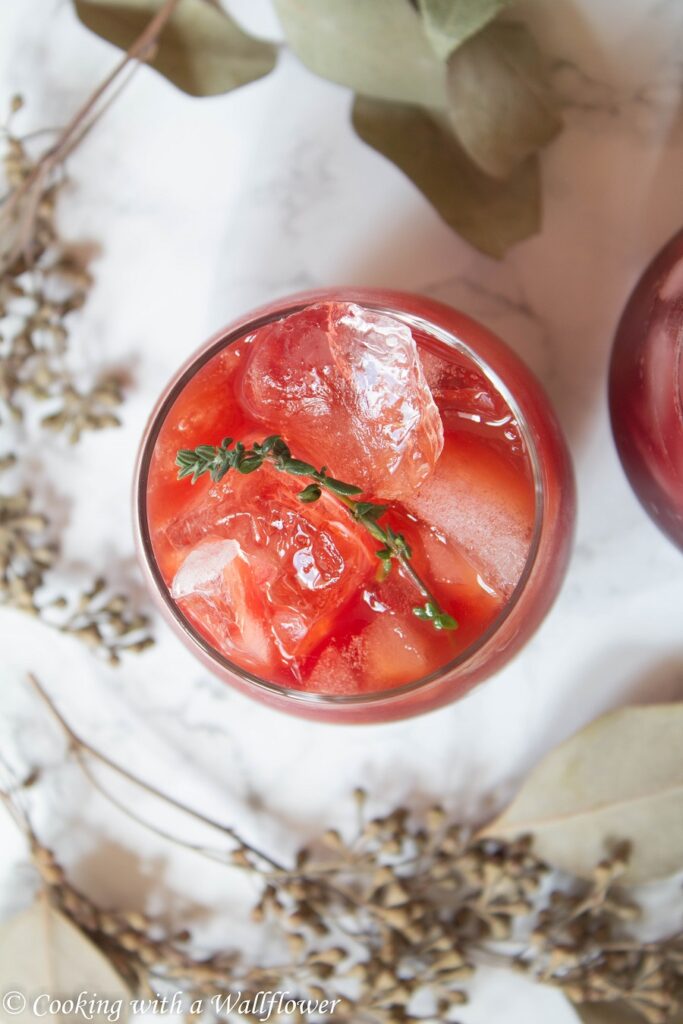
(678, 375)
(172, 392)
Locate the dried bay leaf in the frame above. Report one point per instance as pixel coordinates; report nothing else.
(500, 103)
(376, 47)
(621, 778)
(202, 49)
(448, 23)
(490, 214)
(41, 951)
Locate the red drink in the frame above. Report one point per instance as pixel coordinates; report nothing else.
(646, 389)
(430, 415)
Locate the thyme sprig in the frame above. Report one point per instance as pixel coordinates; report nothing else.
(217, 460)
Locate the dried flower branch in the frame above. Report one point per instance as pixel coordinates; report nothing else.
(97, 617)
(38, 295)
(579, 943)
(217, 460)
(25, 551)
(395, 918)
(102, 620)
(43, 281)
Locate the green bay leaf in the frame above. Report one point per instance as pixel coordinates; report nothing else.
(448, 23)
(490, 214)
(202, 50)
(376, 47)
(500, 103)
(621, 778)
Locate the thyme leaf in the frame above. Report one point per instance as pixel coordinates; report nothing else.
(217, 460)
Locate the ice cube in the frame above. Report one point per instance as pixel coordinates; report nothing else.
(396, 651)
(338, 670)
(391, 650)
(345, 387)
(217, 591)
(481, 499)
(263, 574)
(203, 567)
(461, 390)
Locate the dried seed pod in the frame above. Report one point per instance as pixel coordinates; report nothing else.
(53, 874)
(332, 839)
(110, 924)
(394, 895)
(453, 997)
(43, 856)
(148, 953)
(358, 972)
(382, 876)
(360, 797)
(332, 956)
(499, 928)
(396, 917)
(136, 920)
(435, 818)
(130, 940)
(297, 890)
(297, 944)
(384, 982)
(298, 919)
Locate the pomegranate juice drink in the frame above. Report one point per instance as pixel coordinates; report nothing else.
(355, 505)
(646, 389)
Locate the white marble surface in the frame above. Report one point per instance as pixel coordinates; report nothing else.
(204, 208)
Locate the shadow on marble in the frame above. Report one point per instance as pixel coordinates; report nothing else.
(660, 682)
(286, 829)
(423, 255)
(119, 877)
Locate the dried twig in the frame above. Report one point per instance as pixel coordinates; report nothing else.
(20, 209)
(403, 911)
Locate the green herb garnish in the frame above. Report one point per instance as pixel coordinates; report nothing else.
(217, 460)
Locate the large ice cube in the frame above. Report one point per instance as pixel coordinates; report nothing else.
(391, 650)
(338, 670)
(463, 392)
(216, 588)
(263, 575)
(345, 387)
(396, 651)
(483, 503)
